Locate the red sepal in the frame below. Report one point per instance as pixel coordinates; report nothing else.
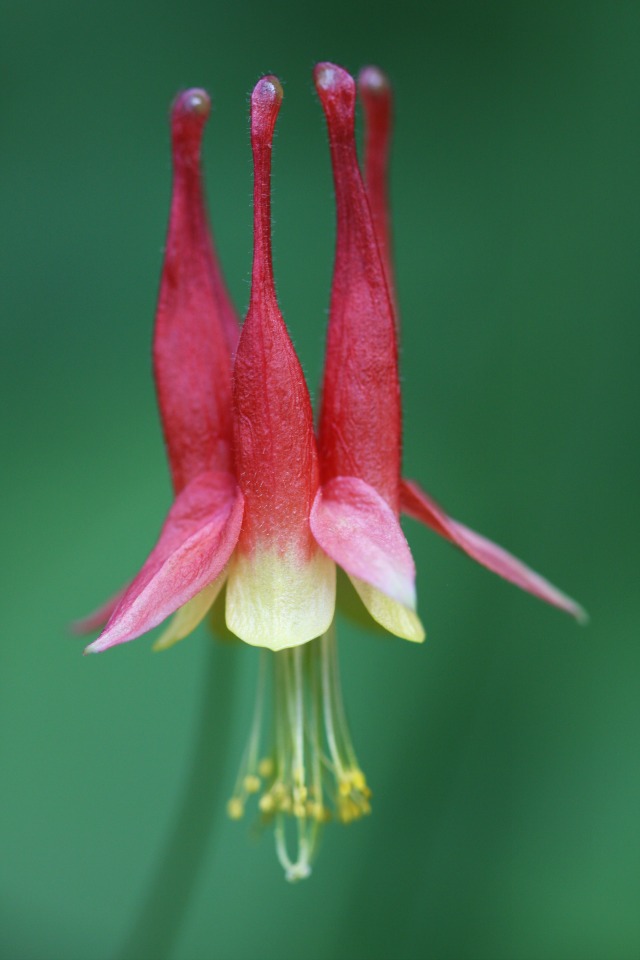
(195, 319)
(194, 546)
(276, 460)
(419, 505)
(360, 420)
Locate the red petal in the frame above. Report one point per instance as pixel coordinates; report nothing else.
(360, 532)
(196, 542)
(195, 319)
(276, 458)
(375, 94)
(360, 421)
(419, 505)
(98, 618)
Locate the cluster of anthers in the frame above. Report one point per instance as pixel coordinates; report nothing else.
(309, 773)
(266, 507)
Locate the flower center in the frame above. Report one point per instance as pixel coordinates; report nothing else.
(309, 773)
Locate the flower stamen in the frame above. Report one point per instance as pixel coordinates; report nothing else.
(249, 780)
(310, 773)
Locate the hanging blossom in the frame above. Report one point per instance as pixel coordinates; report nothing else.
(260, 506)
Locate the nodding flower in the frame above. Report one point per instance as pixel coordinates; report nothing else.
(261, 506)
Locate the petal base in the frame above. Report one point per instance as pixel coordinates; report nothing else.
(279, 601)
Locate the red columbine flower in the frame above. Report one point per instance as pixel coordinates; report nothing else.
(256, 506)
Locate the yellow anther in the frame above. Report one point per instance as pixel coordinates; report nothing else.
(251, 783)
(235, 808)
(267, 803)
(350, 809)
(278, 789)
(300, 794)
(344, 787)
(318, 812)
(265, 767)
(308, 774)
(358, 780)
(345, 813)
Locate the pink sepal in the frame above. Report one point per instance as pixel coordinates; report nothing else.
(419, 505)
(98, 617)
(195, 544)
(356, 527)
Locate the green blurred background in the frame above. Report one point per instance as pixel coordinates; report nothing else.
(503, 754)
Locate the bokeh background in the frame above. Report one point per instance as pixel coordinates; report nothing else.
(503, 754)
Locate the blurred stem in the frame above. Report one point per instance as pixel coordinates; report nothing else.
(159, 923)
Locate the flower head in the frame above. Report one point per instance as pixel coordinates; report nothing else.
(260, 504)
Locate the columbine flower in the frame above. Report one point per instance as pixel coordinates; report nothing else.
(258, 506)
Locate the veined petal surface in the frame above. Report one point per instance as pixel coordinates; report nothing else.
(419, 505)
(196, 541)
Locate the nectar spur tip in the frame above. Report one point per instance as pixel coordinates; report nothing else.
(330, 78)
(337, 92)
(194, 102)
(268, 90)
(373, 80)
(265, 103)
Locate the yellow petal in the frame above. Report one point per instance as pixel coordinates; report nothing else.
(277, 601)
(186, 619)
(393, 616)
